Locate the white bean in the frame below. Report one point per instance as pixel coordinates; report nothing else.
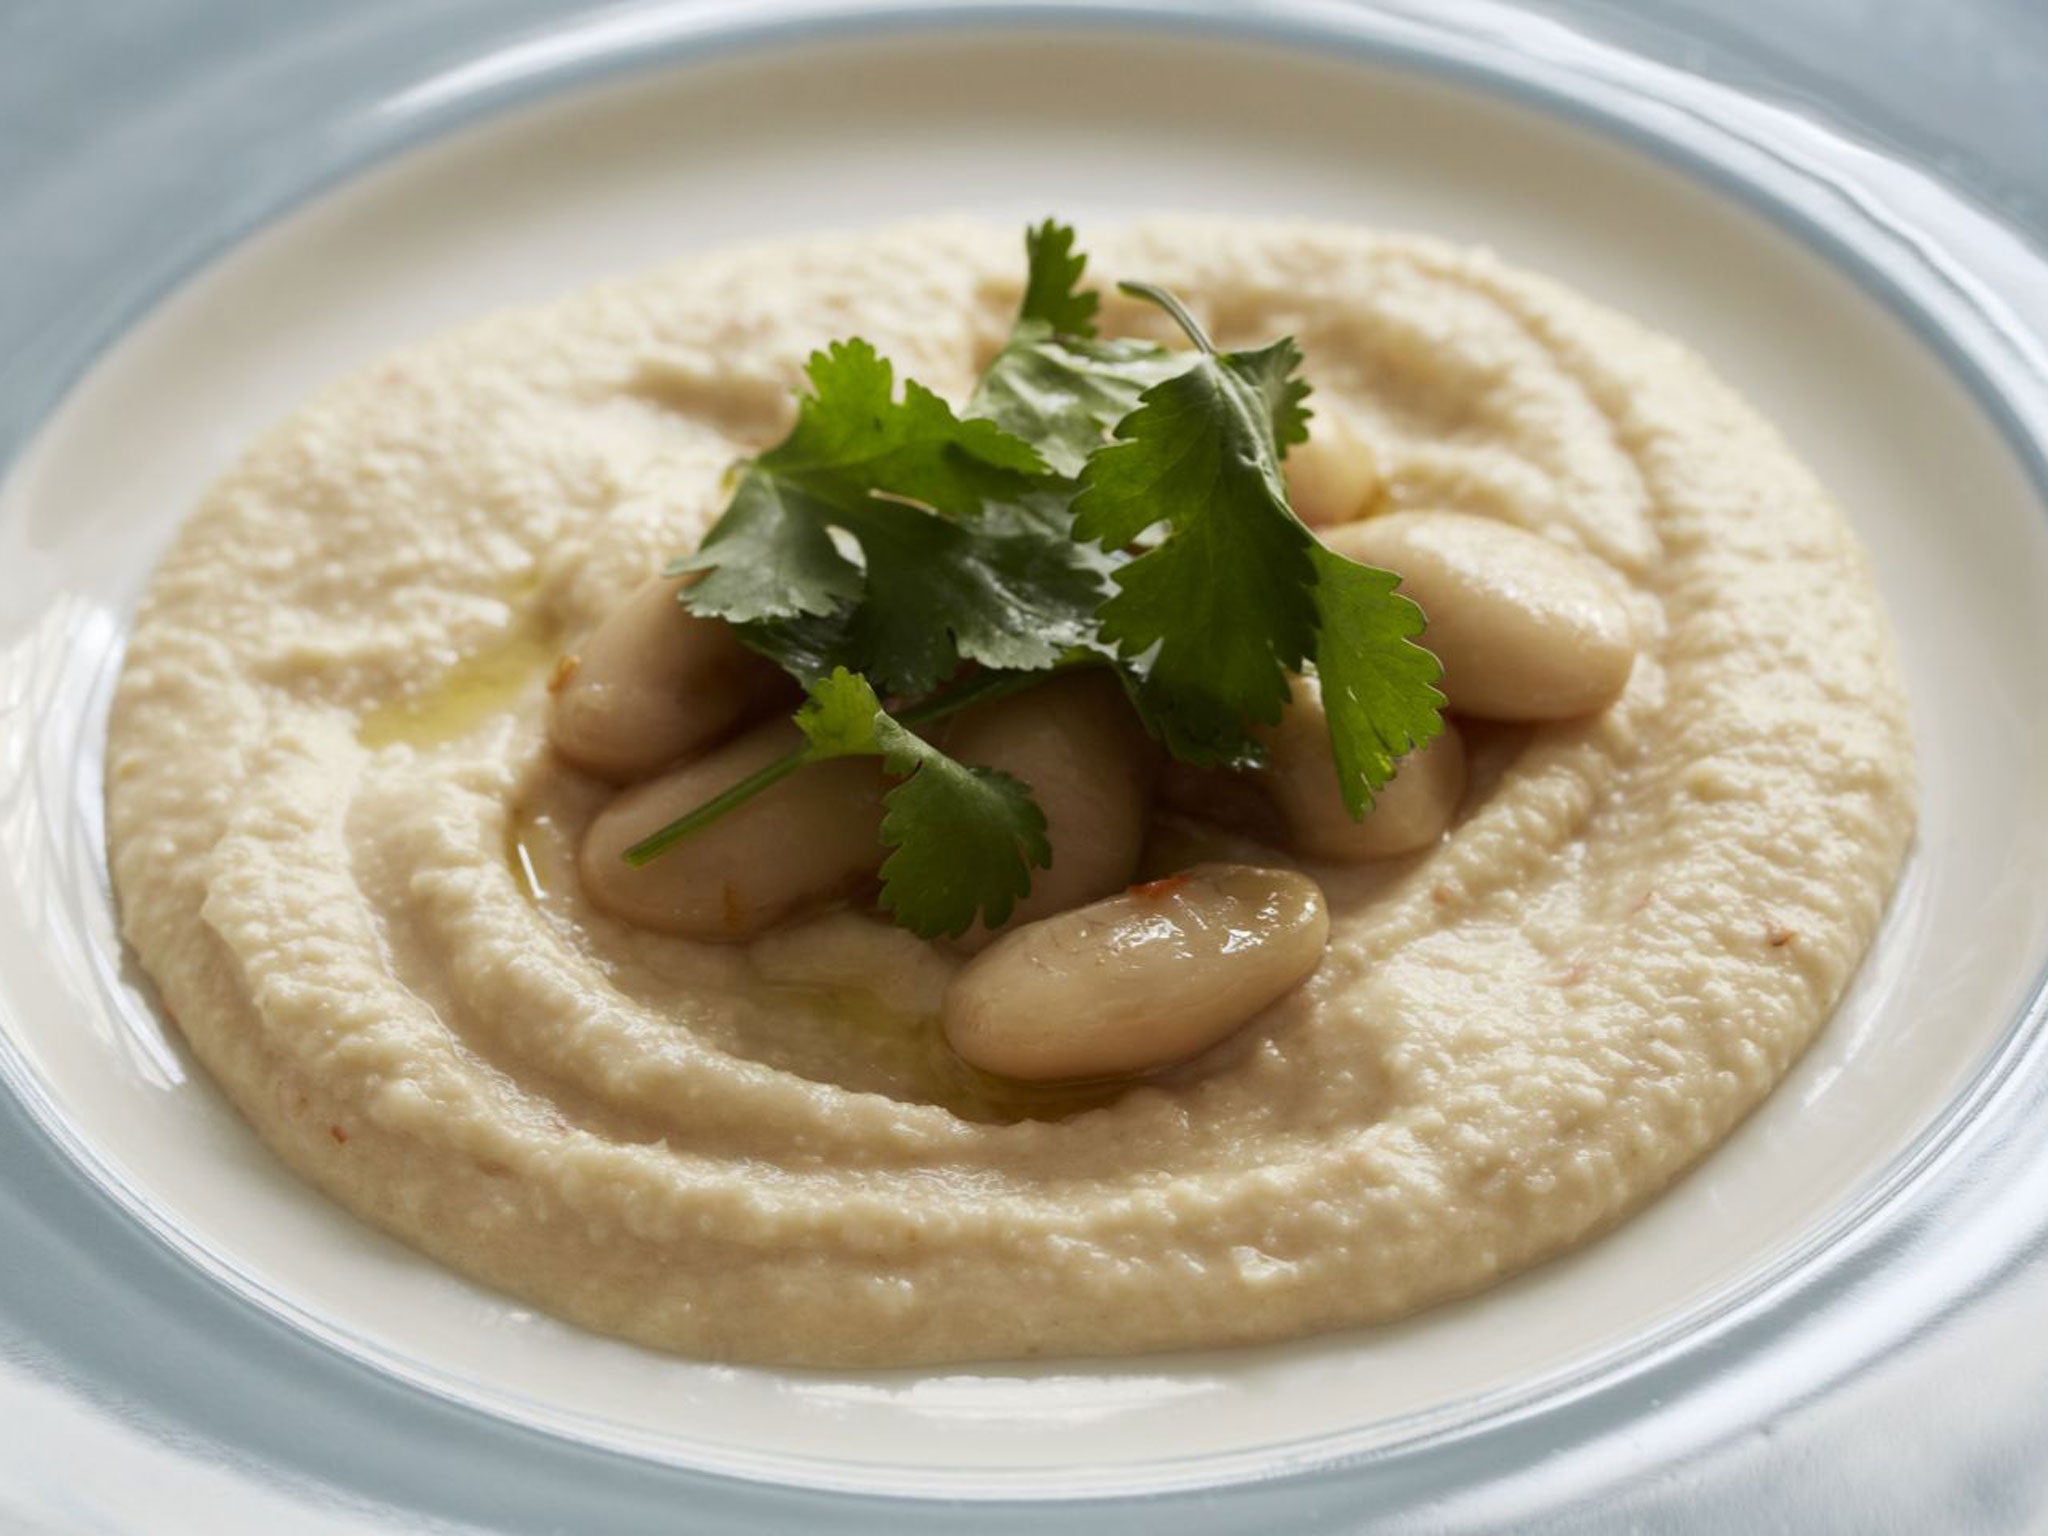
(652, 684)
(1333, 476)
(1526, 629)
(1077, 743)
(1140, 980)
(1301, 776)
(810, 838)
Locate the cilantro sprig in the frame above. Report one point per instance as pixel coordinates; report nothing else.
(1239, 594)
(1101, 502)
(1056, 384)
(1213, 618)
(963, 840)
(946, 564)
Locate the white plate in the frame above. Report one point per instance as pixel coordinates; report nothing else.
(743, 145)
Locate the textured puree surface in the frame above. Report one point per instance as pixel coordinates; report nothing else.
(344, 854)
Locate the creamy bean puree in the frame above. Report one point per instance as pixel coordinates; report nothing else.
(347, 854)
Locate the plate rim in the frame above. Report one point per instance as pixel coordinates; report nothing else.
(682, 37)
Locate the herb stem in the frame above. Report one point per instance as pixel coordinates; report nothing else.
(982, 688)
(1155, 294)
(655, 844)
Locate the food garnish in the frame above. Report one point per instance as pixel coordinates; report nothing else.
(1103, 502)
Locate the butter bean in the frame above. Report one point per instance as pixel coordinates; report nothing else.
(1333, 476)
(1526, 629)
(1140, 980)
(808, 839)
(1077, 742)
(654, 683)
(1301, 777)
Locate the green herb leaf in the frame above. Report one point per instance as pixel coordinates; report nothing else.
(886, 535)
(772, 554)
(964, 839)
(1055, 385)
(1064, 394)
(1379, 689)
(1004, 593)
(1100, 500)
(1052, 281)
(1218, 612)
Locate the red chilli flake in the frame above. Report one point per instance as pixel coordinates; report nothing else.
(340, 1136)
(1158, 890)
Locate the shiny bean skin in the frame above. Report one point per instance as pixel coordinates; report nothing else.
(1333, 477)
(1300, 776)
(1526, 629)
(808, 839)
(1140, 980)
(1077, 742)
(654, 684)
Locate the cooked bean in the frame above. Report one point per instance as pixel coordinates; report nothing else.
(1332, 477)
(1526, 629)
(810, 838)
(1140, 980)
(1077, 742)
(654, 683)
(1301, 776)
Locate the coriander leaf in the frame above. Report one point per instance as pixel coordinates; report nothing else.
(835, 737)
(1001, 593)
(1052, 293)
(885, 535)
(1063, 394)
(770, 555)
(1014, 592)
(1054, 384)
(916, 447)
(1378, 685)
(1217, 613)
(837, 717)
(964, 839)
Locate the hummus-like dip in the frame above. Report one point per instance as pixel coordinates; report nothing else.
(345, 854)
